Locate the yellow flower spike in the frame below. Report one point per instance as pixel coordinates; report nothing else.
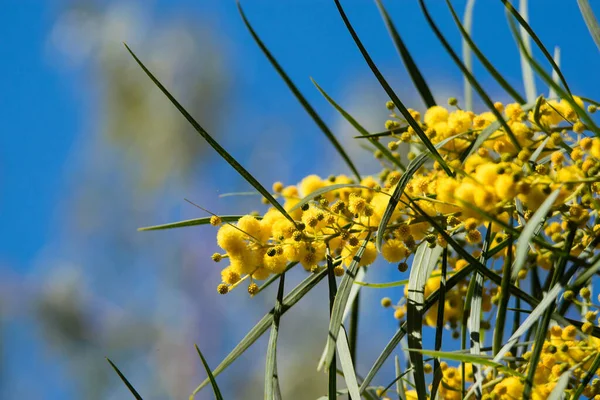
(215, 220)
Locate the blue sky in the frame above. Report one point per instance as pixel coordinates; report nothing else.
(47, 109)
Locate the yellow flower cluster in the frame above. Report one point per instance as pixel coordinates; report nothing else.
(500, 185)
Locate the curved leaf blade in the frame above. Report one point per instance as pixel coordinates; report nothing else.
(261, 327)
(305, 104)
(409, 62)
(213, 382)
(213, 143)
(529, 231)
(190, 222)
(590, 20)
(134, 392)
(341, 299)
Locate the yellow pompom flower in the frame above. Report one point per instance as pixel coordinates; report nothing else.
(230, 275)
(231, 240)
(394, 251)
(252, 227)
(435, 114)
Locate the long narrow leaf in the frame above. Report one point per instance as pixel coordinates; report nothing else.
(537, 41)
(309, 109)
(439, 328)
(341, 299)
(397, 337)
(347, 365)
(271, 377)
(424, 261)
(351, 299)
(125, 381)
(213, 382)
(474, 323)
(190, 222)
(478, 88)
(384, 150)
(466, 52)
(213, 143)
(484, 61)
(261, 327)
(587, 377)
(399, 384)
(555, 78)
(590, 20)
(390, 92)
(468, 358)
(409, 63)
(526, 71)
(558, 393)
(529, 231)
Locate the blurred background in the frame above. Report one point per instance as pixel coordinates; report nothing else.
(90, 150)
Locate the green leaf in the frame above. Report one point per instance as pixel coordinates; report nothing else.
(191, 222)
(213, 143)
(412, 168)
(504, 297)
(382, 285)
(555, 78)
(558, 393)
(309, 109)
(529, 232)
(423, 264)
(261, 327)
(525, 50)
(486, 99)
(341, 299)
(395, 340)
(527, 72)
(537, 312)
(587, 377)
(590, 20)
(466, 52)
(399, 384)
(586, 275)
(384, 150)
(439, 328)
(484, 61)
(354, 291)
(468, 358)
(409, 63)
(474, 321)
(125, 381)
(271, 377)
(332, 384)
(213, 382)
(347, 365)
(558, 275)
(390, 92)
